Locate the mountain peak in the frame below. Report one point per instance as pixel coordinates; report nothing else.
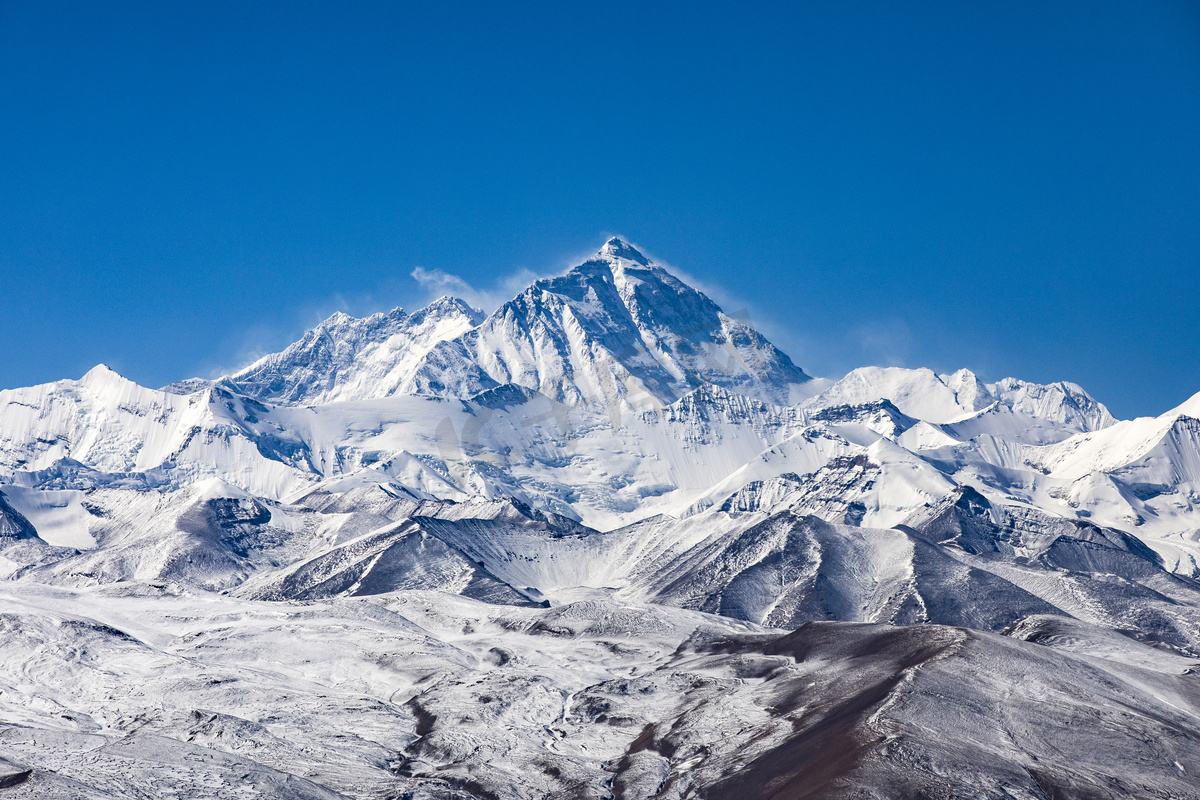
(99, 372)
(337, 319)
(450, 304)
(448, 311)
(615, 327)
(103, 376)
(618, 248)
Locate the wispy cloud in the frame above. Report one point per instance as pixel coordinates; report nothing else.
(884, 342)
(435, 283)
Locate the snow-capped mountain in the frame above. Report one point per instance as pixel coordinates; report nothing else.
(354, 359)
(111, 429)
(1042, 412)
(555, 550)
(616, 328)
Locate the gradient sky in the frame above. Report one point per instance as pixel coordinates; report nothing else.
(1012, 187)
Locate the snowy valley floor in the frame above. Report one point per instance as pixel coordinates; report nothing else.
(138, 690)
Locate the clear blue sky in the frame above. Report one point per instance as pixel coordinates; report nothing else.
(1012, 187)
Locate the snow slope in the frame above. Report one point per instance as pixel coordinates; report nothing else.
(615, 328)
(128, 690)
(555, 550)
(350, 359)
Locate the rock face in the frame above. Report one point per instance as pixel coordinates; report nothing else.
(617, 327)
(605, 541)
(12, 774)
(345, 358)
(13, 525)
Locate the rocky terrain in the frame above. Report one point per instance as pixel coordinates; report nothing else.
(605, 541)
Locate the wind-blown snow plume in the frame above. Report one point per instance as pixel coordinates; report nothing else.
(437, 283)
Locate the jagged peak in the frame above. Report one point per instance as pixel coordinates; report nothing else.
(666, 335)
(619, 265)
(448, 304)
(962, 501)
(100, 372)
(336, 319)
(102, 376)
(618, 248)
(617, 262)
(340, 320)
(961, 375)
(448, 301)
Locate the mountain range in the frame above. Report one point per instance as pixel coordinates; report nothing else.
(604, 541)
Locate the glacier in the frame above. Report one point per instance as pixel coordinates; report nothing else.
(604, 541)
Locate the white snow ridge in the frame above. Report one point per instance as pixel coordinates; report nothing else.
(603, 542)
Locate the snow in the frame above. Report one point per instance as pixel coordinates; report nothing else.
(176, 692)
(59, 516)
(634, 439)
(312, 572)
(616, 328)
(345, 358)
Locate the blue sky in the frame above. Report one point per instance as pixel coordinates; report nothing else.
(1012, 187)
